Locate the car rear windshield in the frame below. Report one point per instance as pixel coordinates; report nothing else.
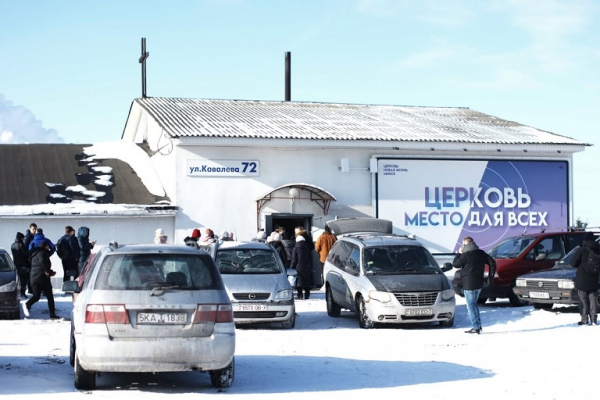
(511, 248)
(147, 271)
(248, 261)
(5, 265)
(399, 260)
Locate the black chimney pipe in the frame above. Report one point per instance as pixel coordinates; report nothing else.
(288, 76)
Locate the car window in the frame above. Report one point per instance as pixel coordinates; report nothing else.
(147, 271)
(247, 261)
(5, 265)
(398, 260)
(353, 260)
(88, 269)
(549, 248)
(573, 241)
(338, 254)
(512, 247)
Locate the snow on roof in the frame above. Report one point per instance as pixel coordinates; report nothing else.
(131, 154)
(340, 122)
(83, 207)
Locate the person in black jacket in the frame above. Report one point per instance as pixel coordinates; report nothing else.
(586, 283)
(41, 271)
(70, 260)
(472, 260)
(29, 235)
(20, 258)
(301, 263)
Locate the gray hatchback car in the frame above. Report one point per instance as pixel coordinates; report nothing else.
(151, 308)
(257, 283)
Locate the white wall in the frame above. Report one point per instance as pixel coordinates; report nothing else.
(229, 203)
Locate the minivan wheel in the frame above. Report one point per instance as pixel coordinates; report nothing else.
(515, 301)
(84, 380)
(333, 310)
(361, 311)
(223, 378)
(482, 300)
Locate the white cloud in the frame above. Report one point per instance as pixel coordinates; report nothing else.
(19, 125)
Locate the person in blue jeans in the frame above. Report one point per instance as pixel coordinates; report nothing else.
(472, 261)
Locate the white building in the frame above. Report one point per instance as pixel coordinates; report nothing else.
(231, 165)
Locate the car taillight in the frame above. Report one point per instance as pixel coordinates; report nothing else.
(211, 313)
(106, 314)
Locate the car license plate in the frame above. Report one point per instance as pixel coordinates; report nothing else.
(162, 318)
(414, 312)
(251, 307)
(539, 295)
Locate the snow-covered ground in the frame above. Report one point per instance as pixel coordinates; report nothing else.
(522, 354)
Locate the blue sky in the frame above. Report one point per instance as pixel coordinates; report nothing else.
(69, 69)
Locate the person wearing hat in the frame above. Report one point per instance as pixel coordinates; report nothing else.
(193, 240)
(586, 281)
(20, 258)
(225, 236)
(160, 237)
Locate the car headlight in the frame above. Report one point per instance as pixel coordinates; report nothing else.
(566, 284)
(9, 287)
(447, 294)
(383, 297)
(521, 283)
(283, 295)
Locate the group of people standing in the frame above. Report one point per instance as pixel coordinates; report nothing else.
(296, 253)
(31, 254)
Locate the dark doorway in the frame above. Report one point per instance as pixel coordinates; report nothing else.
(289, 222)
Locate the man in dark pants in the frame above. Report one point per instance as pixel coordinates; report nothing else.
(472, 260)
(70, 258)
(21, 260)
(586, 282)
(40, 278)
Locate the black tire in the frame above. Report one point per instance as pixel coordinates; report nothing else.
(72, 346)
(333, 310)
(84, 380)
(447, 324)
(16, 314)
(291, 322)
(482, 300)
(223, 378)
(515, 301)
(543, 306)
(361, 312)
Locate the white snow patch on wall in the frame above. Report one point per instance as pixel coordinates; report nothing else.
(131, 154)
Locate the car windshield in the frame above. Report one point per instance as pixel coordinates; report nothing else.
(150, 271)
(5, 265)
(511, 248)
(247, 261)
(398, 260)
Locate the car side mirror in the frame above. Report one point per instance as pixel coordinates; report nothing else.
(291, 272)
(447, 267)
(71, 287)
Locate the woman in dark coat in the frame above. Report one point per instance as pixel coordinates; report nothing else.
(585, 282)
(20, 258)
(301, 263)
(40, 278)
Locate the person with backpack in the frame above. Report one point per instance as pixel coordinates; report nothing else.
(587, 261)
(41, 272)
(67, 249)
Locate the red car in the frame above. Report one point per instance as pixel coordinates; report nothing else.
(520, 255)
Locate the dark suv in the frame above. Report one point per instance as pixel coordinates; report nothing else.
(520, 255)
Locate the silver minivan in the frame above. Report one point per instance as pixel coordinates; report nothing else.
(384, 278)
(257, 283)
(151, 308)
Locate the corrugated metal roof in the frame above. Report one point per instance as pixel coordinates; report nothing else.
(59, 173)
(325, 121)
